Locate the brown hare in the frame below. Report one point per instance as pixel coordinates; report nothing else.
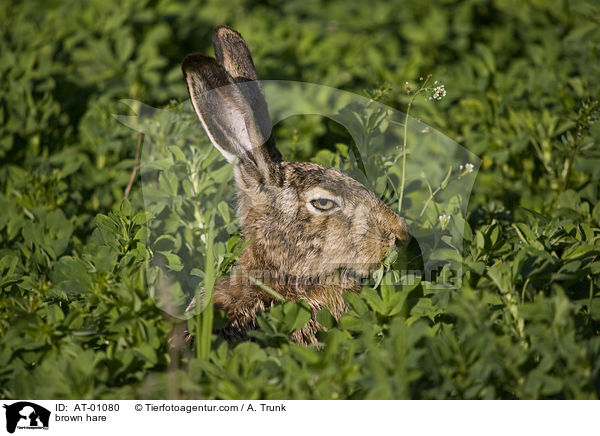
(312, 231)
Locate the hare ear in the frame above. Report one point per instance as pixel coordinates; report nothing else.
(232, 52)
(232, 115)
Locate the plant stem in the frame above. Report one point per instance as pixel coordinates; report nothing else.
(404, 141)
(431, 195)
(204, 322)
(569, 165)
(269, 290)
(136, 166)
(403, 179)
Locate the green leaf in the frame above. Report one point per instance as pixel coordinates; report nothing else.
(326, 319)
(595, 309)
(305, 354)
(297, 314)
(356, 303)
(146, 353)
(173, 261)
(178, 154)
(582, 250)
(373, 300)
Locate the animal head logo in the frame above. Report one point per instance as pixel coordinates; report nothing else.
(26, 415)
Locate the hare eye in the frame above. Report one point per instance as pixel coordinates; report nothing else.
(324, 204)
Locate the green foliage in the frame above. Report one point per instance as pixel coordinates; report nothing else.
(78, 318)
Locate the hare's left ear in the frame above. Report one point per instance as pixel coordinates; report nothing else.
(232, 107)
(226, 115)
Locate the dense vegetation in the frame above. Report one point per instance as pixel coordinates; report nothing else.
(523, 80)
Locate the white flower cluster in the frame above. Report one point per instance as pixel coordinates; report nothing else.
(444, 221)
(466, 168)
(439, 92)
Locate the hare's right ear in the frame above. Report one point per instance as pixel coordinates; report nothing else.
(233, 53)
(228, 112)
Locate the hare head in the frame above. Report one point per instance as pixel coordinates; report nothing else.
(311, 230)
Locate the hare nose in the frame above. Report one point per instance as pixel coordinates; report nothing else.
(392, 227)
(398, 238)
(398, 242)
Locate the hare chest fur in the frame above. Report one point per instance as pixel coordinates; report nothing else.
(312, 230)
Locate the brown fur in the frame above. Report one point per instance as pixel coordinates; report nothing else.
(296, 249)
